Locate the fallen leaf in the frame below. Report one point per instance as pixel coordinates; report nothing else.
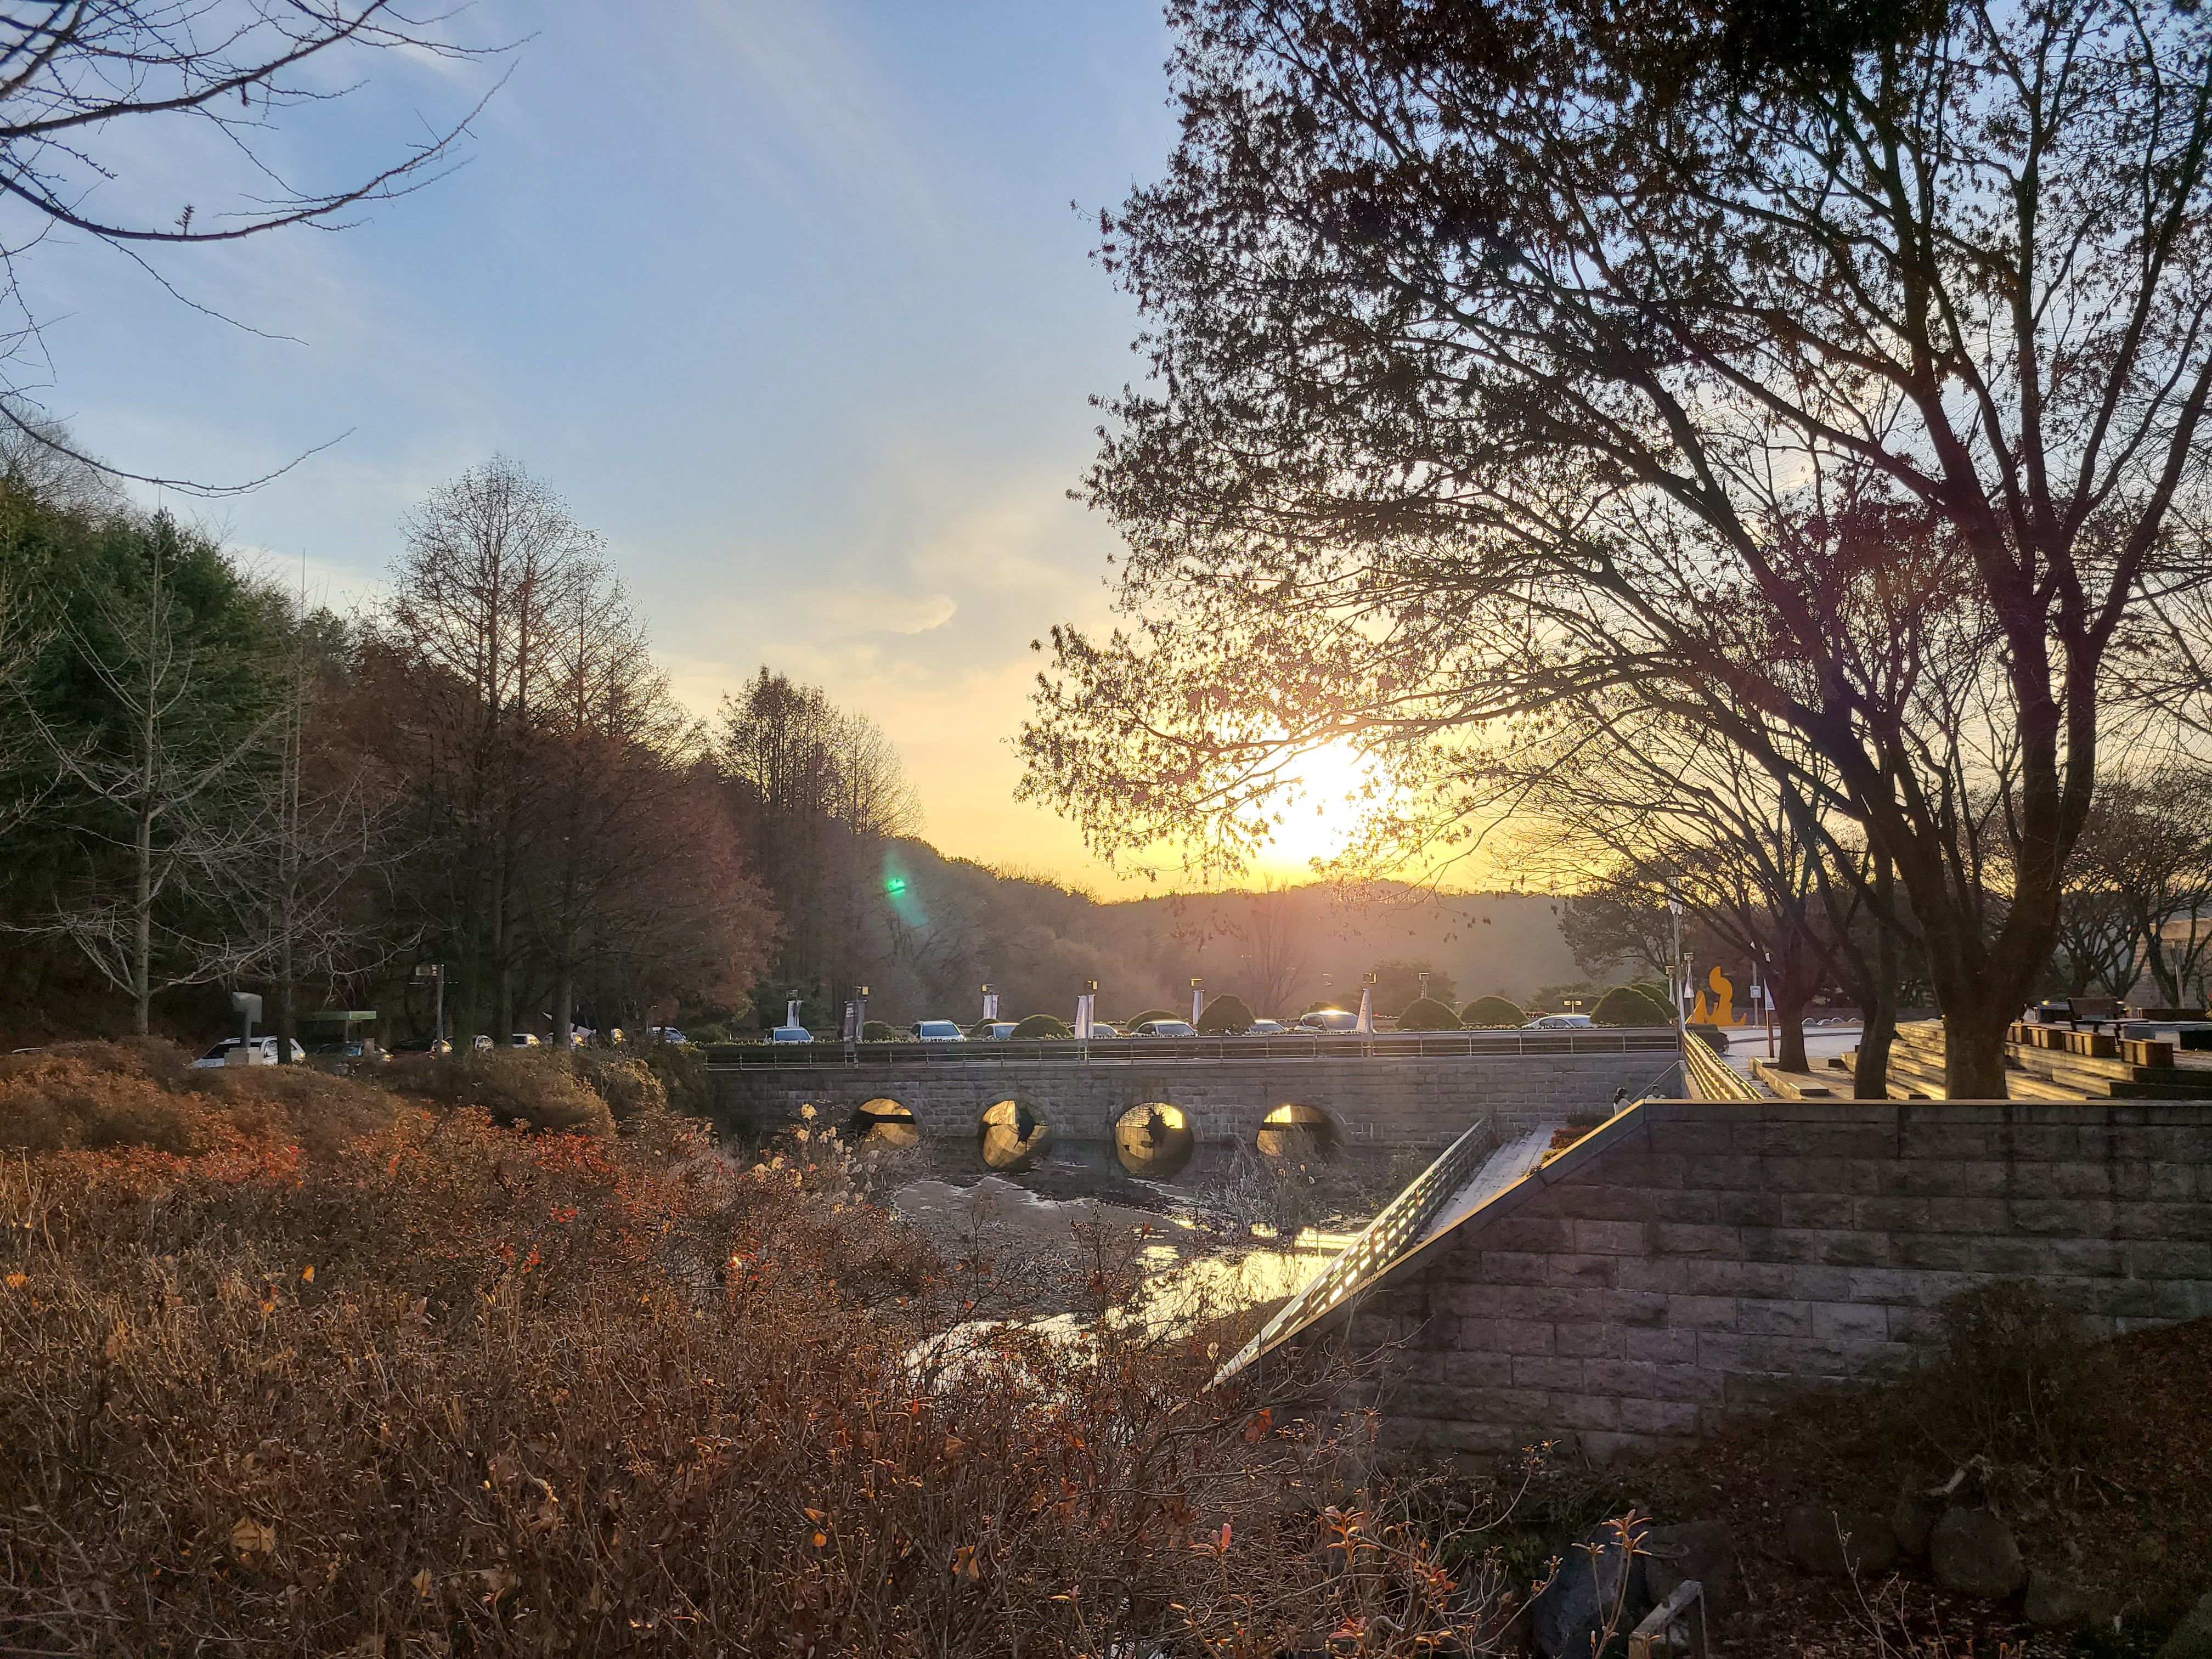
(308, 1272)
(422, 1581)
(17, 1280)
(251, 1537)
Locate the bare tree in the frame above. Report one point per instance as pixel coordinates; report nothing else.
(1275, 956)
(494, 569)
(1836, 381)
(84, 84)
(311, 828)
(157, 785)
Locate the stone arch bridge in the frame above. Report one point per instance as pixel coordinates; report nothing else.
(1190, 1102)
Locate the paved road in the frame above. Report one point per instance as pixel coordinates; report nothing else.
(1748, 1043)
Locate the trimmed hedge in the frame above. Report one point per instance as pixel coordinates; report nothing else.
(1427, 1014)
(1039, 1026)
(877, 1031)
(1625, 1004)
(1492, 1013)
(1226, 1014)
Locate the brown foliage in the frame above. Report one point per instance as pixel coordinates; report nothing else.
(533, 1088)
(458, 1388)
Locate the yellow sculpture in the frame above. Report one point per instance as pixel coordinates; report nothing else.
(1721, 1010)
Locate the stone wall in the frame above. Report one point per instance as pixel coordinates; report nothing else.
(1419, 1102)
(1695, 1258)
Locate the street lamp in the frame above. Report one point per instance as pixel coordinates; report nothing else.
(1678, 974)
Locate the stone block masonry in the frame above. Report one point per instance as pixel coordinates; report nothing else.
(1383, 1101)
(1695, 1259)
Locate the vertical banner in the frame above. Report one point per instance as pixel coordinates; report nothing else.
(791, 1011)
(1083, 1004)
(1197, 1003)
(851, 1022)
(990, 1004)
(1367, 1011)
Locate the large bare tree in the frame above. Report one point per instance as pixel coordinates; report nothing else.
(90, 87)
(1834, 376)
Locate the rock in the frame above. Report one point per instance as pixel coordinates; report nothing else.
(1972, 1552)
(1703, 1550)
(1911, 1517)
(1592, 1577)
(1837, 1543)
(2057, 1605)
(2192, 1638)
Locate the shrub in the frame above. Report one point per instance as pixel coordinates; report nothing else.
(877, 1030)
(1037, 1027)
(2010, 1381)
(1711, 1035)
(536, 1089)
(629, 1085)
(1492, 1013)
(1225, 1014)
(1625, 1004)
(465, 1390)
(1427, 1014)
(143, 1092)
(682, 1069)
(1149, 1013)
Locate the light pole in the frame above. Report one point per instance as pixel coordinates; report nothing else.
(1678, 974)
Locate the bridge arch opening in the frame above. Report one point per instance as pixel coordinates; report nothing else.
(883, 1125)
(1155, 1140)
(1013, 1138)
(1296, 1134)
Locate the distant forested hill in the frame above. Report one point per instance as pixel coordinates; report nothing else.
(942, 927)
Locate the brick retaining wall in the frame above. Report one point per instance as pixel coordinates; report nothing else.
(1693, 1259)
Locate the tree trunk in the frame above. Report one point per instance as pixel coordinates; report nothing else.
(141, 937)
(1870, 1070)
(1974, 1049)
(1790, 1020)
(287, 1017)
(1877, 995)
(564, 989)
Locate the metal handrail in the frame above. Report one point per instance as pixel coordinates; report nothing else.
(1388, 1238)
(1705, 1078)
(1128, 1051)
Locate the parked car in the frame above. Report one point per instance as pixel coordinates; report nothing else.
(264, 1054)
(665, 1034)
(998, 1031)
(1328, 1019)
(938, 1030)
(1166, 1028)
(524, 1040)
(343, 1055)
(1558, 1022)
(791, 1034)
(1106, 1028)
(480, 1043)
(1265, 1028)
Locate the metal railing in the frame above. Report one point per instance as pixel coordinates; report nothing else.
(1137, 1051)
(1675, 1629)
(1387, 1241)
(1706, 1078)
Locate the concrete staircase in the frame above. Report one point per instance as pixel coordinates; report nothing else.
(1916, 1071)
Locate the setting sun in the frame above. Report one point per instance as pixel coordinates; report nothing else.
(1337, 789)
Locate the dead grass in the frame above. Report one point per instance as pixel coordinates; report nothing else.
(442, 1387)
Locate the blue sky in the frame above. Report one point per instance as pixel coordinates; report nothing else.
(787, 299)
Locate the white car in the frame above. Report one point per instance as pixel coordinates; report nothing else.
(263, 1052)
(1558, 1022)
(1328, 1019)
(1165, 1027)
(998, 1031)
(938, 1030)
(1265, 1028)
(523, 1040)
(791, 1034)
(665, 1034)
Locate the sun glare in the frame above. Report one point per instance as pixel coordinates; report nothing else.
(1337, 788)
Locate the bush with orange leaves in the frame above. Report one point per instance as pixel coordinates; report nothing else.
(454, 1387)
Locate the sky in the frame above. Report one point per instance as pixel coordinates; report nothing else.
(792, 302)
